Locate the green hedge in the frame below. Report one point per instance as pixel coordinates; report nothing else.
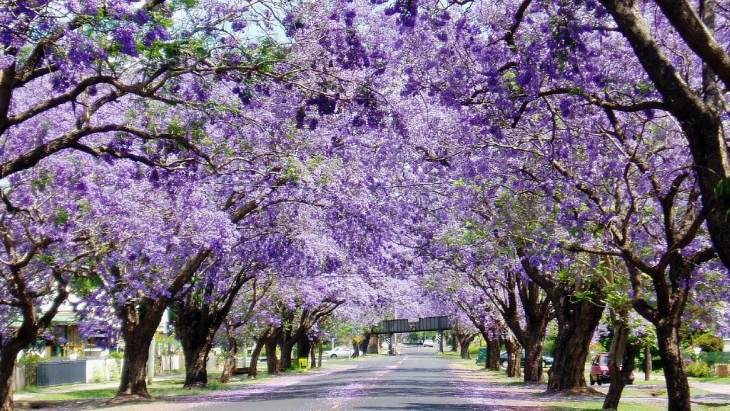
(716, 357)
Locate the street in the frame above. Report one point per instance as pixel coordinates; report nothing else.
(414, 380)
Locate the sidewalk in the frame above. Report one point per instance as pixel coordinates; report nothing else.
(718, 394)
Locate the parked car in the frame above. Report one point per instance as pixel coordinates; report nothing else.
(339, 352)
(600, 371)
(546, 359)
(428, 342)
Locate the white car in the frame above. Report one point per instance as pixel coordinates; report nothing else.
(339, 352)
(428, 342)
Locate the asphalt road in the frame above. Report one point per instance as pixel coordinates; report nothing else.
(415, 380)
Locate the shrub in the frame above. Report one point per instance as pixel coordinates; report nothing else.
(116, 355)
(708, 342)
(30, 361)
(214, 385)
(698, 369)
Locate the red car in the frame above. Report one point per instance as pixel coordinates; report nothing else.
(600, 372)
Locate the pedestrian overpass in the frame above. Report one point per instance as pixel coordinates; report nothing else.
(407, 325)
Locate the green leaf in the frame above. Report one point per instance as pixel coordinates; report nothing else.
(61, 218)
(722, 188)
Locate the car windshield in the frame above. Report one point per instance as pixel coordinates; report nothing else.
(604, 360)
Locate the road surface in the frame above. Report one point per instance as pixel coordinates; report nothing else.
(417, 379)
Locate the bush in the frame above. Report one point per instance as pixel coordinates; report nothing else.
(708, 342)
(698, 369)
(30, 362)
(116, 355)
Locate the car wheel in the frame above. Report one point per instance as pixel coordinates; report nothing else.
(590, 377)
(333, 356)
(599, 380)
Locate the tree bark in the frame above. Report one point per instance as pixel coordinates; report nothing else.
(197, 322)
(464, 343)
(619, 345)
(196, 352)
(287, 343)
(255, 353)
(577, 320)
(139, 325)
(365, 344)
(313, 355)
(8, 354)
(514, 356)
(30, 328)
(628, 364)
(304, 347)
(670, 349)
(526, 310)
(272, 363)
(493, 346)
(139, 321)
(533, 359)
(230, 361)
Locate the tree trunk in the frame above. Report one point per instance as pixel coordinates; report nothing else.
(464, 347)
(272, 365)
(133, 385)
(255, 353)
(230, 361)
(32, 325)
(8, 354)
(196, 361)
(526, 310)
(355, 349)
(493, 346)
(619, 345)
(576, 323)
(286, 344)
(304, 347)
(316, 341)
(671, 352)
(629, 362)
(648, 360)
(139, 325)
(514, 355)
(533, 359)
(365, 343)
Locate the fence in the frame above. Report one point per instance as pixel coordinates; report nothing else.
(103, 369)
(19, 378)
(169, 362)
(61, 372)
(67, 372)
(716, 357)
